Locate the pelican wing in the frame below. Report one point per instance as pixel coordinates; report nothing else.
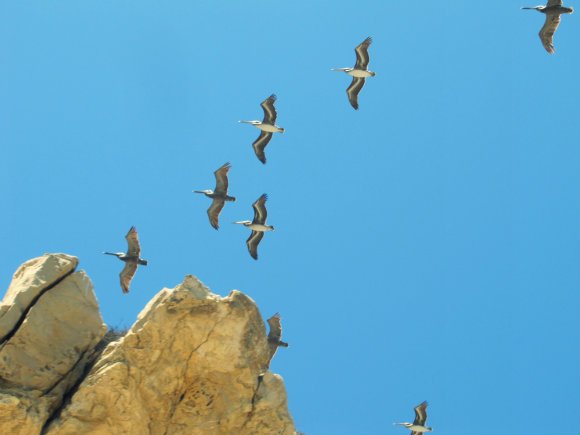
(547, 32)
(353, 90)
(275, 334)
(362, 54)
(259, 145)
(213, 212)
(260, 212)
(421, 414)
(253, 242)
(221, 179)
(555, 3)
(127, 274)
(269, 110)
(275, 325)
(133, 247)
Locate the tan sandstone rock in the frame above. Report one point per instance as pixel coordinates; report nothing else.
(189, 365)
(49, 324)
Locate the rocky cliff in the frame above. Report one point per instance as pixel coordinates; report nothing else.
(189, 364)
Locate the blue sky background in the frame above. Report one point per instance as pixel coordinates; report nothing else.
(426, 246)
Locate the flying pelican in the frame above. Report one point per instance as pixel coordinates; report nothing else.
(267, 127)
(359, 73)
(275, 336)
(418, 425)
(258, 225)
(274, 342)
(219, 195)
(553, 10)
(131, 259)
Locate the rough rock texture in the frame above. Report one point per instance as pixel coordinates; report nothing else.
(49, 324)
(189, 365)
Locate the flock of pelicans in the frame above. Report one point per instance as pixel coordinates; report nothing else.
(219, 195)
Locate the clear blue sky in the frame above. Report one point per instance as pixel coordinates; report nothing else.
(427, 247)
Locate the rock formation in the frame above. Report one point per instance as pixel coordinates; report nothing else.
(189, 364)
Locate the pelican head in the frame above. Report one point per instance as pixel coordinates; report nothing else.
(251, 122)
(410, 426)
(116, 254)
(340, 69)
(246, 223)
(538, 8)
(205, 192)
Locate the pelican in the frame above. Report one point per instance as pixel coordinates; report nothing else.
(258, 225)
(275, 336)
(131, 259)
(553, 10)
(359, 73)
(267, 127)
(219, 195)
(418, 425)
(274, 342)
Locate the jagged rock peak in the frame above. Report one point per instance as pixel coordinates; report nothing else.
(49, 326)
(189, 365)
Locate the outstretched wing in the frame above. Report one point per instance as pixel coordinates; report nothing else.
(353, 90)
(133, 247)
(221, 179)
(260, 212)
(362, 54)
(269, 110)
(274, 336)
(421, 414)
(275, 325)
(253, 242)
(555, 3)
(259, 145)
(127, 274)
(213, 212)
(547, 33)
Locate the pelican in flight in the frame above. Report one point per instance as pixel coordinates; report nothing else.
(418, 425)
(267, 127)
(219, 195)
(553, 10)
(359, 73)
(131, 259)
(258, 225)
(275, 336)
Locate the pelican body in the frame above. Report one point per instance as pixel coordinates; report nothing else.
(359, 72)
(258, 225)
(219, 195)
(131, 258)
(552, 10)
(267, 126)
(418, 425)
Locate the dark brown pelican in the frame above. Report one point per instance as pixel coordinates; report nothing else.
(258, 225)
(552, 10)
(268, 126)
(131, 259)
(418, 425)
(275, 336)
(359, 73)
(219, 195)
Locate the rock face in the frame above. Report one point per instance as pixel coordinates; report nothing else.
(49, 326)
(189, 364)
